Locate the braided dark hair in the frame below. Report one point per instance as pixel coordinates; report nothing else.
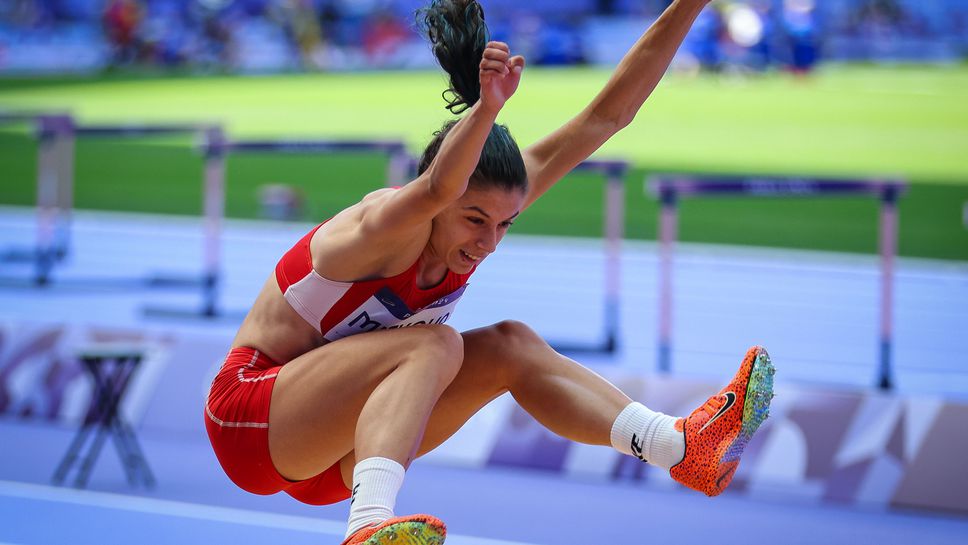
(459, 35)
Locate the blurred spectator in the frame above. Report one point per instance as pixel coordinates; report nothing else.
(383, 35)
(212, 22)
(29, 14)
(800, 24)
(560, 44)
(605, 7)
(329, 19)
(878, 15)
(302, 22)
(763, 53)
(709, 32)
(122, 20)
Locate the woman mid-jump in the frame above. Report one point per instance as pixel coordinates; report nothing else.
(344, 372)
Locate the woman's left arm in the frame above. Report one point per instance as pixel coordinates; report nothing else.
(552, 157)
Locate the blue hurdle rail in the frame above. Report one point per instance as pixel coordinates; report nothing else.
(398, 167)
(670, 188)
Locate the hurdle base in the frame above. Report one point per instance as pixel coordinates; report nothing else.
(608, 346)
(80, 284)
(198, 314)
(26, 255)
(168, 280)
(93, 283)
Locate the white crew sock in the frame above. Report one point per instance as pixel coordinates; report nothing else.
(376, 482)
(649, 436)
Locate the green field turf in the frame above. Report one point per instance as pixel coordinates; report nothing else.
(905, 122)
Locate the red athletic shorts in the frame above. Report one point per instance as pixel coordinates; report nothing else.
(237, 420)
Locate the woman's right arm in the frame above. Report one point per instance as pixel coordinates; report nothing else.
(446, 179)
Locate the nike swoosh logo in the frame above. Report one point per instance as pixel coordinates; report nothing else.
(730, 401)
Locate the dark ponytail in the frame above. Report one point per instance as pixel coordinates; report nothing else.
(458, 34)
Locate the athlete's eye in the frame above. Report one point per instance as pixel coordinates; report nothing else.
(475, 221)
(506, 224)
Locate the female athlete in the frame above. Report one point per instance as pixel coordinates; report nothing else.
(343, 371)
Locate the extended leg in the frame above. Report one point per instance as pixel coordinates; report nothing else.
(565, 397)
(702, 450)
(562, 395)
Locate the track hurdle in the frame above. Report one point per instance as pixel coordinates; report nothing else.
(216, 149)
(57, 135)
(669, 189)
(55, 191)
(399, 166)
(613, 227)
(213, 196)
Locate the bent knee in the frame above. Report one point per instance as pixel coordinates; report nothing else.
(441, 346)
(505, 343)
(515, 335)
(514, 348)
(444, 338)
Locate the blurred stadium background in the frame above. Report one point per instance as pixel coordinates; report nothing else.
(83, 36)
(808, 89)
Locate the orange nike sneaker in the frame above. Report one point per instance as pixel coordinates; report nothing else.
(718, 431)
(411, 530)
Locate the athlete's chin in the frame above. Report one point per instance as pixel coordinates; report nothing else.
(462, 264)
(461, 268)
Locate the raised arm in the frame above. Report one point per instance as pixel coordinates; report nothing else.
(552, 157)
(447, 177)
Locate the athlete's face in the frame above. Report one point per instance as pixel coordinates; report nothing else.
(470, 229)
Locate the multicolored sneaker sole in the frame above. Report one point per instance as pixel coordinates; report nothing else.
(410, 530)
(717, 432)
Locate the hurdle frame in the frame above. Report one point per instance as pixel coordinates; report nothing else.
(216, 148)
(613, 227)
(669, 189)
(399, 165)
(54, 190)
(213, 197)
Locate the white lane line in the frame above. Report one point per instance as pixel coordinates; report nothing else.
(153, 506)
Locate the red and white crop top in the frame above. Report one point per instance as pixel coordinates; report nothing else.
(341, 309)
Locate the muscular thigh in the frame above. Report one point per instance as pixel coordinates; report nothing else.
(482, 378)
(317, 398)
(491, 356)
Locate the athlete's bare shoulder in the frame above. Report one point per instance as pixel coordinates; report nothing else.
(378, 193)
(349, 219)
(342, 250)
